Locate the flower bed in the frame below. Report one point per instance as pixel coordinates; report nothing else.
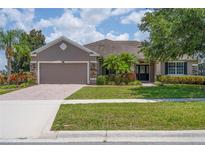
(18, 78)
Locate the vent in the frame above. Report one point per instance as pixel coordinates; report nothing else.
(63, 46)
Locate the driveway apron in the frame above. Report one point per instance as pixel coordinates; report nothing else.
(43, 92)
(29, 112)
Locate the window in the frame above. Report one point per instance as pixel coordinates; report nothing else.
(175, 67)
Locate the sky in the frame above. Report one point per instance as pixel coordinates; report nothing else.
(81, 25)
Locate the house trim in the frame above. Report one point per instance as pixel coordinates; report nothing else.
(66, 62)
(33, 62)
(63, 38)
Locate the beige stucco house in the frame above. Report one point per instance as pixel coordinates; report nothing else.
(64, 61)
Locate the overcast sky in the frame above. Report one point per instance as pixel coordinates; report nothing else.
(81, 25)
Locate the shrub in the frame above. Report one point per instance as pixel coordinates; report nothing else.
(182, 79)
(129, 77)
(2, 79)
(136, 83)
(158, 83)
(24, 85)
(111, 83)
(118, 79)
(102, 80)
(22, 77)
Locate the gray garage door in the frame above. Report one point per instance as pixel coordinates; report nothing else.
(63, 73)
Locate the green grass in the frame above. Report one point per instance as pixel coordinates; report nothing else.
(131, 116)
(120, 92)
(7, 88)
(4, 91)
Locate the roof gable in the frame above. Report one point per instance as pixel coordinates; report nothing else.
(63, 38)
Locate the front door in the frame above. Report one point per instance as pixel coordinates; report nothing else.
(142, 72)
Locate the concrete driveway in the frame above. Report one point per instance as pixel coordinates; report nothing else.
(43, 92)
(29, 113)
(27, 119)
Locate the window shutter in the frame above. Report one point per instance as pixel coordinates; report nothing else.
(185, 67)
(166, 68)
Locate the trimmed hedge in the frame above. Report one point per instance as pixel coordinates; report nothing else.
(102, 80)
(187, 79)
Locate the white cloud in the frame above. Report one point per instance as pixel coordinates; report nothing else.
(141, 36)
(77, 24)
(94, 16)
(43, 24)
(134, 17)
(3, 20)
(20, 18)
(83, 28)
(121, 11)
(111, 35)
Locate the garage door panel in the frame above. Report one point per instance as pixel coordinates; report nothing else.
(63, 73)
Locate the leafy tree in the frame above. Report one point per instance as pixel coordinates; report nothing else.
(8, 39)
(27, 43)
(21, 58)
(36, 39)
(173, 33)
(121, 63)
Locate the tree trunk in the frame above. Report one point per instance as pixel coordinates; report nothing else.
(9, 68)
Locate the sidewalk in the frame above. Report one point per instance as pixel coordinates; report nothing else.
(89, 101)
(118, 137)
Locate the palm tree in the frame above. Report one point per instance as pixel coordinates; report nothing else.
(121, 63)
(7, 41)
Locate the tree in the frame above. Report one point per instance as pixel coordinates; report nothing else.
(8, 39)
(121, 63)
(21, 58)
(27, 43)
(173, 33)
(36, 39)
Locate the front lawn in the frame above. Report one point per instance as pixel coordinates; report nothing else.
(7, 88)
(120, 92)
(131, 116)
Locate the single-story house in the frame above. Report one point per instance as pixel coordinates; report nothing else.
(64, 61)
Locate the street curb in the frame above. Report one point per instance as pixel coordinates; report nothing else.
(141, 137)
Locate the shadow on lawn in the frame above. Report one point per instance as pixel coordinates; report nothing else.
(169, 91)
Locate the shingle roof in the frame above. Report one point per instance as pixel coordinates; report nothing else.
(106, 47)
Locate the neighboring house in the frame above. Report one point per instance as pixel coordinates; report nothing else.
(65, 61)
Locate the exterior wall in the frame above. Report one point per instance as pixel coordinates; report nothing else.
(33, 58)
(71, 53)
(151, 72)
(55, 53)
(189, 68)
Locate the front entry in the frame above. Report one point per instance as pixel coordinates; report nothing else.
(142, 72)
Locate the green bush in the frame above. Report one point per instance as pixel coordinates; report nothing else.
(187, 79)
(24, 85)
(136, 83)
(158, 83)
(2, 79)
(102, 80)
(111, 83)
